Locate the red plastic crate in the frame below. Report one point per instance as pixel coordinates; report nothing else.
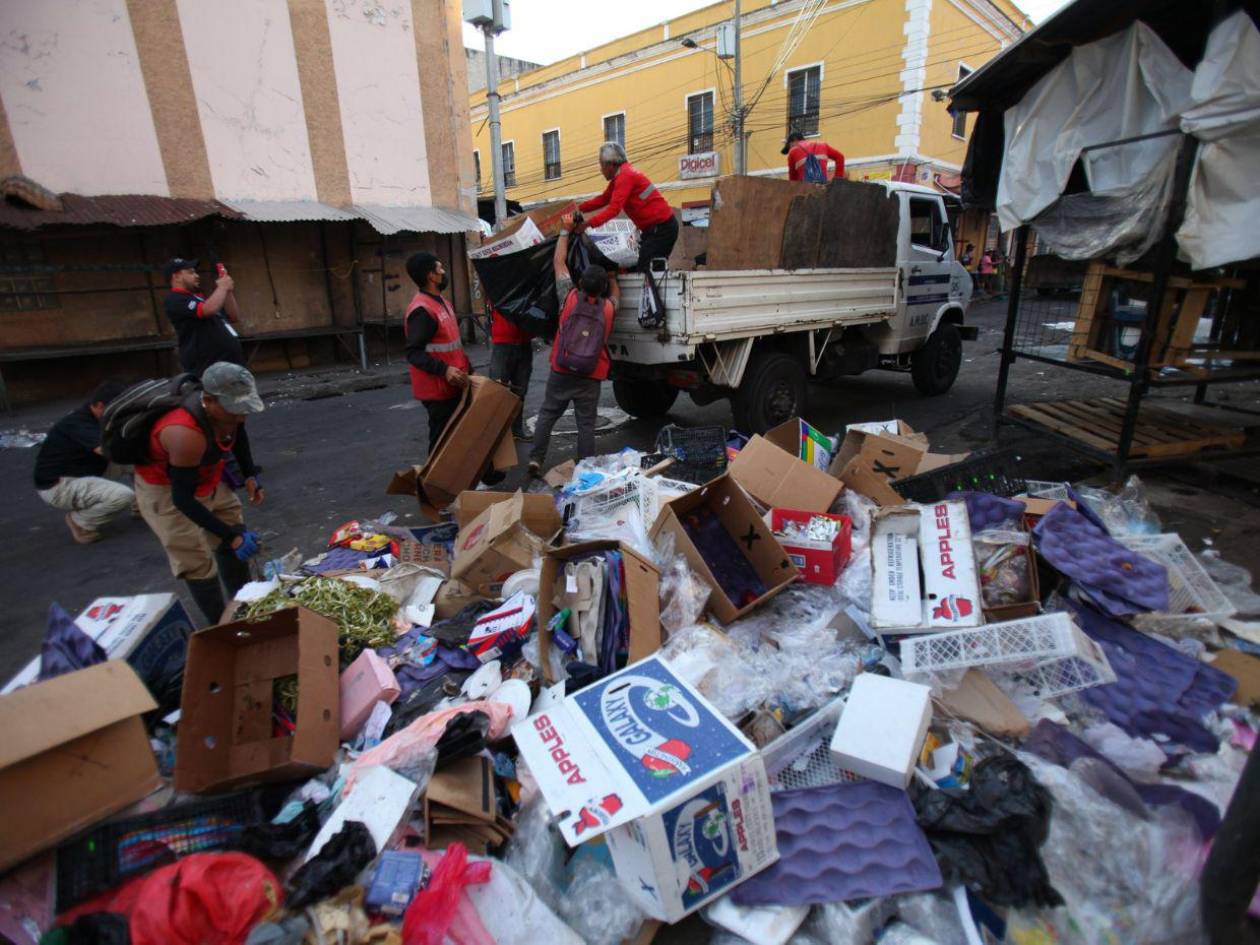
(819, 563)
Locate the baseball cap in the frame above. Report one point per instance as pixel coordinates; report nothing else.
(233, 387)
(177, 264)
(794, 136)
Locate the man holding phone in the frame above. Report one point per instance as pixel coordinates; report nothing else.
(203, 324)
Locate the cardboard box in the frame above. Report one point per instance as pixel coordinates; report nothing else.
(929, 540)
(225, 731)
(820, 562)
(1025, 608)
(497, 543)
(776, 478)
(478, 436)
(366, 681)
(522, 236)
(740, 519)
(882, 728)
(545, 216)
(679, 795)
(978, 699)
(869, 462)
(805, 442)
(538, 511)
(149, 631)
(75, 751)
(642, 596)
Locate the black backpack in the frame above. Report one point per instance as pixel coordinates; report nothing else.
(128, 418)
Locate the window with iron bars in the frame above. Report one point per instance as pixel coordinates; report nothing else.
(551, 155)
(25, 291)
(804, 87)
(700, 123)
(509, 164)
(615, 128)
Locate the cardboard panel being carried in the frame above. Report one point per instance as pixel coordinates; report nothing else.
(747, 222)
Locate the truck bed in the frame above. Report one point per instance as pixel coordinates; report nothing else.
(715, 306)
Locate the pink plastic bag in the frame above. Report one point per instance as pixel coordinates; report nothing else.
(432, 911)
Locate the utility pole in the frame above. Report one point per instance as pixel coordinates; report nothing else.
(741, 155)
(496, 136)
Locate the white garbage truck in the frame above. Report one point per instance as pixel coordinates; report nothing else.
(759, 337)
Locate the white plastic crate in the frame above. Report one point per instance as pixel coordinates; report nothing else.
(1047, 652)
(802, 757)
(1191, 590)
(607, 501)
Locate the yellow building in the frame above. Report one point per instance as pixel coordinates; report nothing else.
(857, 74)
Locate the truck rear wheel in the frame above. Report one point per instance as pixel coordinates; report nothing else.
(773, 390)
(935, 366)
(644, 399)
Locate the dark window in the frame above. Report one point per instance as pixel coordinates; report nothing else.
(700, 123)
(615, 129)
(551, 155)
(960, 119)
(509, 165)
(803, 91)
(477, 169)
(23, 287)
(927, 229)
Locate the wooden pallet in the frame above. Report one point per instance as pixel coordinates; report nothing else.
(1159, 433)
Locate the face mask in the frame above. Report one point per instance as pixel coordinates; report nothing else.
(442, 284)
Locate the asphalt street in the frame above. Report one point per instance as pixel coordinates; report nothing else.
(331, 438)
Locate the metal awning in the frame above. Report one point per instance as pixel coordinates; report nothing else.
(390, 220)
(286, 211)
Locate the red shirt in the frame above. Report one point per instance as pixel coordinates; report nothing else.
(154, 472)
(604, 364)
(633, 192)
(802, 149)
(503, 332)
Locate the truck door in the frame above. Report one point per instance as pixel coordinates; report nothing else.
(928, 268)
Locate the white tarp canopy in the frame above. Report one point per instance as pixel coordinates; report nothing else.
(1123, 86)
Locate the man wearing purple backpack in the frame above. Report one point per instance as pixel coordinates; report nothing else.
(579, 354)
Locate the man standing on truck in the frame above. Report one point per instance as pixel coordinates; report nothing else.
(807, 160)
(629, 189)
(579, 353)
(437, 362)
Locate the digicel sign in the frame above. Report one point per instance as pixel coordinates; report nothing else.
(707, 164)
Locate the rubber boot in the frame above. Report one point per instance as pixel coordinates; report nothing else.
(208, 596)
(232, 570)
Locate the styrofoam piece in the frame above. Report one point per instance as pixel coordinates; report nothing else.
(484, 682)
(526, 581)
(882, 727)
(514, 693)
(802, 756)
(1048, 652)
(766, 925)
(380, 799)
(1191, 590)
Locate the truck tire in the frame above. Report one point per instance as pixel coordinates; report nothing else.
(935, 366)
(773, 390)
(644, 399)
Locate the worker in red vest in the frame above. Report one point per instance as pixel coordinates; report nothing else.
(630, 190)
(439, 367)
(511, 361)
(799, 151)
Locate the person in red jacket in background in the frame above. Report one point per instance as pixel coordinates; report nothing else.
(438, 365)
(798, 151)
(511, 361)
(629, 189)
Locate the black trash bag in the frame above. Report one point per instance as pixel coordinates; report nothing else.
(464, 736)
(521, 286)
(333, 868)
(989, 837)
(99, 928)
(275, 842)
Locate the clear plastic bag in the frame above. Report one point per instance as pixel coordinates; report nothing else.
(683, 592)
(1004, 567)
(597, 907)
(1128, 512)
(1141, 887)
(1233, 580)
(623, 523)
(933, 914)
(725, 672)
(537, 852)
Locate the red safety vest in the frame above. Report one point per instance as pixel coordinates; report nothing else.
(445, 346)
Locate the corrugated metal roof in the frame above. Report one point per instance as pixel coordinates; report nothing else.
(390, 220)
(284, 211)
(122, 210)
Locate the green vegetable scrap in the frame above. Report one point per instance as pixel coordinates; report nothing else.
(364, 617)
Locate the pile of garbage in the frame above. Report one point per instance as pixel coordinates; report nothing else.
(740, 677)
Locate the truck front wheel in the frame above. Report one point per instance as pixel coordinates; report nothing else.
(935, 366)
(644, 399)
(773, 390)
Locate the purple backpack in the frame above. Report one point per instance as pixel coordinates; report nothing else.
(581, 336)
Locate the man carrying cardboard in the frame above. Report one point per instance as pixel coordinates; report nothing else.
(181, 493)
(435, 356)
